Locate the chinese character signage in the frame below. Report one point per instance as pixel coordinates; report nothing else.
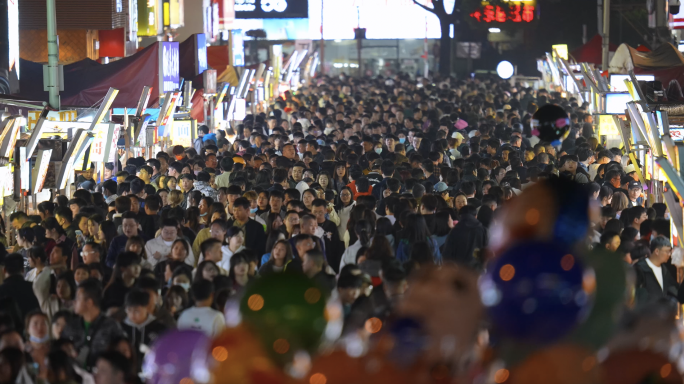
(271, 9)
(180, 133)
(169, 74)
(510, 12)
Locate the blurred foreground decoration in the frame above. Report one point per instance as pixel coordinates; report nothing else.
(177, 356)
(547, 310)
(555, 210)
(551, 124)
(237, 356)
(614, 290)
(537, 292)
(286, 312)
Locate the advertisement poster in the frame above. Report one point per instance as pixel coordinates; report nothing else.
(147, 18)
(180, 133)
(169, 69)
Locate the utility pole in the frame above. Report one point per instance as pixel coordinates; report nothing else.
(322, 43)
(53, 55)
(606, 33)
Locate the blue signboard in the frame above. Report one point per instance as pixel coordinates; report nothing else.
(201, 53)
(169, 70)
(238, 47)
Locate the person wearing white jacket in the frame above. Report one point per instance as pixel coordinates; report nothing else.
(159, 248)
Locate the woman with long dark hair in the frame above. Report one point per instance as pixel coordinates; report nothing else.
(193, 216)
(105, 236)
(280, 256)
(364, 230)
(340, 179)
(273, 234)
(443, 225)
(239, 271)
(415, 231)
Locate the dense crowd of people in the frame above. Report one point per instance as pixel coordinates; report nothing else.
(356, 184)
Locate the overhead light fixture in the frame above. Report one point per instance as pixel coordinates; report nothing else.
(494, 30)
(505, 69)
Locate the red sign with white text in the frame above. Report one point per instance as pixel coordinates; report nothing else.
(524, 12)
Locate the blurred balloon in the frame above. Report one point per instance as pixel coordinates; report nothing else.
(551, 124)
(374, 368)
(434, 320)
(536, 292)
(609, 299)
(287, 313)
(554, 210)
(236, 356)
(638, 366)
(172, 356)
(558, 364)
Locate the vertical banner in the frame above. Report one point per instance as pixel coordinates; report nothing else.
(201, 58)
(169, 69)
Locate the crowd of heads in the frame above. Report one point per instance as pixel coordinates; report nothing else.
(356, 184)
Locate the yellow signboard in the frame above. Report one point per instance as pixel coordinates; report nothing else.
(607, 126)
(52, 116)
(560, 50)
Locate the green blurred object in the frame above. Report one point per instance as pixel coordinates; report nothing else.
(286, 312)
(610, 297)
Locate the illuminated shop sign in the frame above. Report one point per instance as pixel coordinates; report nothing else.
(271, 9)
(510, 12)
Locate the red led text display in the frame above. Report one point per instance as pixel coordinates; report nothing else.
(515, 13)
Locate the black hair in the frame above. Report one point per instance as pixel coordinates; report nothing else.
(202, 289)
(14, 264)
(92, 289)
(137, 298)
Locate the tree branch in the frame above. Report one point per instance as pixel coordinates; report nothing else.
(424, 7)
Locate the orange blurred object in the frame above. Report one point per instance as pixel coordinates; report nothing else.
(635, 366)
(236, 356)
(558, 364)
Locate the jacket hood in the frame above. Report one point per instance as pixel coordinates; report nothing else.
(150, 318)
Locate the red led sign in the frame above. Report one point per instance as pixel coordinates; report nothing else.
(516, 13)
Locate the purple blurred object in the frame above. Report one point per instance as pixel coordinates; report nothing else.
(173, 357)
(461, 124)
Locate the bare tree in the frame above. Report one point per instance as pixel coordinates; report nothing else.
(445, 21)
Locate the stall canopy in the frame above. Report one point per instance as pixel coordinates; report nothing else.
(86, 82)
(218, 58)
(627, 58)
(592, 51)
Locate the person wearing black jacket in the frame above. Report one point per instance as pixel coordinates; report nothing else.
(141, 326)
(653, 282)
(91, 331)
(465, 240)
(16, 287)
(387, 168)
(255, 237)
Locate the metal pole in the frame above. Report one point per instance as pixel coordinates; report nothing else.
(359, 45)
(212, 114)
(606, 33)
(53, 54)
(322, 43)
